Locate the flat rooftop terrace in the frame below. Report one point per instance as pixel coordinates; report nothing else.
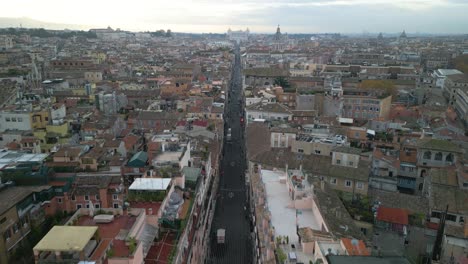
(283, 218)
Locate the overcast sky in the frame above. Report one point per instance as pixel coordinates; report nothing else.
(294, 16)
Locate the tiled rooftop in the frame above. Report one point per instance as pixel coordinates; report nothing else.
(154, 206)
(109, 230)
(160, 251)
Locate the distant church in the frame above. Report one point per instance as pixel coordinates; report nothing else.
(280, 41)
(402, 38)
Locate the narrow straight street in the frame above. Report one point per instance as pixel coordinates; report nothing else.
(231, 211)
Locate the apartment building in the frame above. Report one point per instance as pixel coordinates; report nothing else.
(433, 153)
(366, 106)
(451, 84)
(270, 112)
(461, 104)
(18, 211)
(282, 137)
(308, 144)
(15, 120)
(441, 74)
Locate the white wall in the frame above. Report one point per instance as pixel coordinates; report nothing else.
(266, 115)
(14, 121)
(185, 158)
(58, 113)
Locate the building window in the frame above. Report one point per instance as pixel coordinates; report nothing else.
(116, 205)
(78, 206)
(73, 198)
(427, 155)
(20, 119)
(97, 206)
(450, 217)
(24, 221)
(7, 235)
(7, 119)
(317, 152)
(360, 185)
(449, 158)
(438, 156)
(300, 150)
(13, 119)
(97, 197)
(338, 161)
(86, 197)
(87, 205)
(115, 197)
(364, 230)
(15, 228)
(350, 163)
(333, 181)
(59, 200)
(348, 183)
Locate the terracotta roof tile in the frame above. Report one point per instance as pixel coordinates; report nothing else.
(392, 215)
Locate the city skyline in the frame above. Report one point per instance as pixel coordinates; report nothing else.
(260, 16)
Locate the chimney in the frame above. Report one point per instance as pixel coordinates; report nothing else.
(287, 168)
(163, 147)
(322, 185)
(300, 167)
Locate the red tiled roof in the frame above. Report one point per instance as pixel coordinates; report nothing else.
(355, 250)
(392, 215)
(13, 145)
(181, 123)
(130, 141)
(57, 183)
(29, 140)
(433, 226)
(201, 123)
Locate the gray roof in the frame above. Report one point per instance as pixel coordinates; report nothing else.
(348, 150)
(366, 260)
(458, 78)
(271, 107)
(315, 164)
(257, 138)
(456, 198)
(438, 144)
(284, 129)
(447, 72)
(334, 212)
(11, 196)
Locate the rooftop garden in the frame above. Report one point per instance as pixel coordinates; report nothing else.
(359, 208)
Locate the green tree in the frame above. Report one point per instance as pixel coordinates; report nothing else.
(282, 81)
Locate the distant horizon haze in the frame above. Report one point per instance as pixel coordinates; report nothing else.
(260, 16)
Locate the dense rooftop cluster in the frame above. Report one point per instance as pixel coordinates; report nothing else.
(111, 142)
